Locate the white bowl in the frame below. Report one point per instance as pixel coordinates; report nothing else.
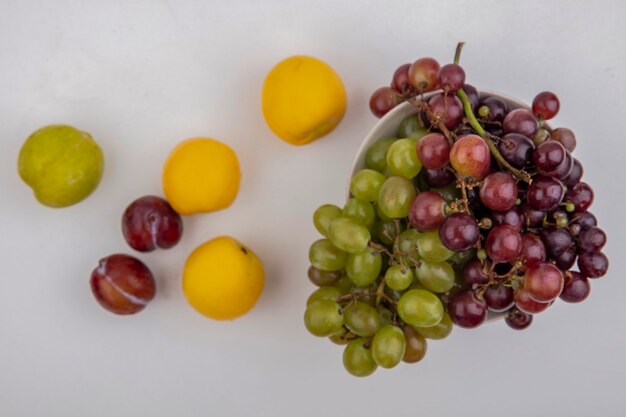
(388, 125)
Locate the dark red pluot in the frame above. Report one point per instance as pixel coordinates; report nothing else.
(149, 223)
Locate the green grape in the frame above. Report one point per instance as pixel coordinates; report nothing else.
(343, 337)
(431, 249)
(322, 278)
(449, 193)
(416, 345)
(395, 197)
(323, 318)
(359, 211)
(357, 358)
(348, 235)
(364, 294)
(461, 258)
(439, 331)
(344, 284)
(388, 346)
(411, 127)
(386, 231)
(327, 257)
(382, 216)
(376, 156)
(323, 216)
(366, 183)
(386, 315)
(406, 247)
(364, 267)
(420, 308)
(362, 319)
(436, 276)
(324, 293)
(402, 158)
(399, 277)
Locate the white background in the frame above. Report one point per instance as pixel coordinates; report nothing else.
(143, 75)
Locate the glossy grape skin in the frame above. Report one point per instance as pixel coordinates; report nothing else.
(395, 197)
(322, 278)
(448, 109)
(545, 105)
(499, 298)
(402, 158)
(565, 137)
(430, 247)
(566, 260)
(324, 293)
(520, 121)
(549, 155)
(512, 217)
(122, 284)
(364, 267)
(376, 155)
(556, 240)
(433, 150)
(526, 304)
(399, 277)
(411, 127)
(504, 244)
(388, 346)
(576, 288)
(593, 264)
(591, 239)
(438, 178)
(516, 149)
(323, 215)
(459, 232)
(420, 308)
(466, 310)
(499, 191)
(360, 211)
(149, 223)
(416, 345)
(564, 169)
(584, 220)
(581, 195)
(357, 358)
(406, 247)
(439, 331)
(323, 318)
(533, 250)
(348, 235)
(362, 319)
(423, 74)
(325, 256)
(575, 174)
(517, 319)
(400, 80)
(366, 183)
(470, 156)
(427, 211)
(545, 193)
(451, 78)
(437, 277)
(543, 282)
(532, 217)
(497, 109)
(383, 100)
(473, 273)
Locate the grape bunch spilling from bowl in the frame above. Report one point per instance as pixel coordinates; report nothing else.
(475, 209)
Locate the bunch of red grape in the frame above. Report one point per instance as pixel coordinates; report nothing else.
(475, 207)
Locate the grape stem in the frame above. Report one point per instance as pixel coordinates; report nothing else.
(457, 54)
(467, 107)
(422, 106)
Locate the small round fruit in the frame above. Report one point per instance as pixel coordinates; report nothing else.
(122, 284)
(466, 310)
(327, 257)
(357, 358)
(388, 346)
(504, 243)
(430, 247)
(376, 156)
(201, 175)
(416, 345)
(435, 276)
(323, 215)
(402, 158)
(149, 223)
(303, 99)
(364, 267)
(322, 318)
(517, 319)
(348, 235)
(324, 293)
(63, 165)
(395, 197)
(362, 319)
(499, 191)
(359, 211)
(439, 331)
(366, 183)
(543, 282)
(470, 156)
(322, 278)
(420, 308)
(399, 277)
(223, 279)
(433, 150)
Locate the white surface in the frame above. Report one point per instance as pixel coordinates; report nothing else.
(143, 75)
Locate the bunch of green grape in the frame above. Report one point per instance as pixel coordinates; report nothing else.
(382, 283)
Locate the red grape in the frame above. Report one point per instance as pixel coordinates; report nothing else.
(549, 155)
(543, 282)
(566, 260)
(533, 250)
(532, 217)
(528, 305)
(473, 273)
(565, 137)
(466, 310)
(545, 193)
(512, 216)
(593, 264)
(495, 108)
(591, 239)
(427, 211)
(576, 287)
(451, 77)
(517, 319)
(520, 121)
(439, 178)
(470, 156)
(504, 243)
(149, 223)
(564, 169)
(423, 74)
(499, 191)
(584, 220)
(575, 174)
(122, 284)
(499, 298)
(581, 195)
(556, 240)
(323, 278)
(400, 81)
(447, 108)
(516, 149)
(459, 232)
(383, 100)
(472, 94)
(545, 105)
(433, 150)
